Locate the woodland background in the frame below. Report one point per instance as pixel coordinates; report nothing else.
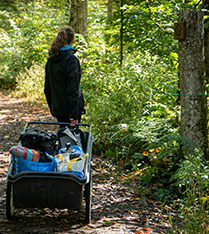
(130, 89)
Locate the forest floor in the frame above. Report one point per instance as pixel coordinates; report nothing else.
(115, 206)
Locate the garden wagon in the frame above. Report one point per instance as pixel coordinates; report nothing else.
(33, 189)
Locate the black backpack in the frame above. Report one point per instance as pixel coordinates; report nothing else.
(39, 140)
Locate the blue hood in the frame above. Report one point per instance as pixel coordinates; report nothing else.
(66, 47)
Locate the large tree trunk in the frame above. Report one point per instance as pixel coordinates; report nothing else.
(79, 16)
(207, 54)
(206, 42)
(206, 46)
(191, 80)
(109, 10)
(121, 32)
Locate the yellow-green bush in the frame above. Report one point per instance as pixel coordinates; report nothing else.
(30, 83)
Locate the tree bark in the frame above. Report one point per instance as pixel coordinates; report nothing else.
(79, 16)
(121, 33)
(206, 42)
(191, 80)
(109, 11)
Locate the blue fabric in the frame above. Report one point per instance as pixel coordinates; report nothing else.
(77, 148)
(21, 165)
(81, 153)
(79, 174)
(66, 47)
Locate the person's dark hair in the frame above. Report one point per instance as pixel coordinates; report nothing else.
(64, 36)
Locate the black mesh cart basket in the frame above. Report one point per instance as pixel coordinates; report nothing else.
(31, 189)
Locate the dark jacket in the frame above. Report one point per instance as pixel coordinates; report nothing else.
(62, 85)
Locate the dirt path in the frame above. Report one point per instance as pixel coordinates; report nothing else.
(115, 207)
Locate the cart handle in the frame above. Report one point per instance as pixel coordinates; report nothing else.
(57, 123)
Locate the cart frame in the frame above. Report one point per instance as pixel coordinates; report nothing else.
(51, 189)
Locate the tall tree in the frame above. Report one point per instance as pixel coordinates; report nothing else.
(206, 41)
(121, 32)
(109, 10)
(79, 16)
(191, 69)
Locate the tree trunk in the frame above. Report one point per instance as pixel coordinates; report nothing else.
(109, 11)
(79, 16)
(206, 42)
(191, 80)
(121, 33)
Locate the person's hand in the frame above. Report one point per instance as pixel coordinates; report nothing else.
(72, 121)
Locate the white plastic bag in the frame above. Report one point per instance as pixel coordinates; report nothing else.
(65, 163)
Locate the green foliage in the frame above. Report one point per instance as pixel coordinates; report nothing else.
(118, 96)
(148, 25)
(193, 181)
(25, 34)
(132, 109)
(151, 145)
(30, 83)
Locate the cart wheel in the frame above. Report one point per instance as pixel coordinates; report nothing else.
(88, 199)
(9, 201)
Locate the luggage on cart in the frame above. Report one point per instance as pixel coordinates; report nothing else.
(44, 183)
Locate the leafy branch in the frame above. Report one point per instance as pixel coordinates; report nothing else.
(156, 24)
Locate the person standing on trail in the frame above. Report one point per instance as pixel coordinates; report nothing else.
(62, 79)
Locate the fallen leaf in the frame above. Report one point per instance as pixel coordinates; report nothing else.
(146, 230)
(135, 199)
(204, 199)
(4, 221)
(108, 221)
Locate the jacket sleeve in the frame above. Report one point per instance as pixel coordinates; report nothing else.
(46, 87)
(73, 86)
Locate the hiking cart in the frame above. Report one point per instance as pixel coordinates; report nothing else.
(35, 189)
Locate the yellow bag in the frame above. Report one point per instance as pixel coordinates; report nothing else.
(64, 164)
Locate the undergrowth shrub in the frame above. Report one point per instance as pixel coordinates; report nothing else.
(138, 137)
(26, 31)
(116, 95)
(193, 182)
(154, 147)
(151, 145)
(30, 83)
